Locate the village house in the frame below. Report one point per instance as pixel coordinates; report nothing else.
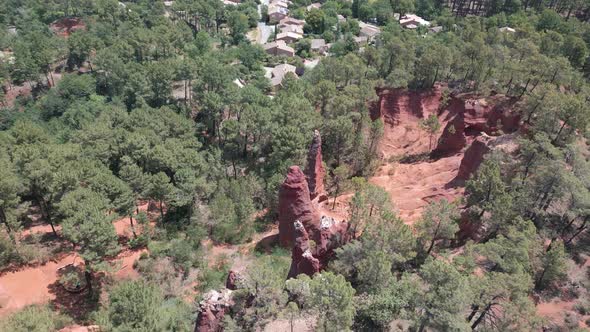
(279, 72)
(292, 28)
(319, 45)
(435, 29)
(411, 21)
(276, 13)
(288, 37)
(279, 3)
(279, 47)
(291, 21)
(369, 31)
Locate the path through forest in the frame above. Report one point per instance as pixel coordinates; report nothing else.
(39, 284)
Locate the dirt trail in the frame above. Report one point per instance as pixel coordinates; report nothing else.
(30, 285)
(37, 284)
(238, 256)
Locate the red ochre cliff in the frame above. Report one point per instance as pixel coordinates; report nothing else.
(413, 171)
(414, 175)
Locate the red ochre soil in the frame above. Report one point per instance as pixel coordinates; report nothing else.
(28, 285)
(555, 310)
(412, 185)
(413, 178)
(65, 26)
(407, 173)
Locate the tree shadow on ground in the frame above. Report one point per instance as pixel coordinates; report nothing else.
(414, 158)
(77, 305)
(267, 244)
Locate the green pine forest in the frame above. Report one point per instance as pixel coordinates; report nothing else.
(141, 107)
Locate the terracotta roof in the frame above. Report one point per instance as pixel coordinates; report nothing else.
(287, 35)
(412, 21)
(317, 44)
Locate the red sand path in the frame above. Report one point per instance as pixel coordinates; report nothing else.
(31, 284)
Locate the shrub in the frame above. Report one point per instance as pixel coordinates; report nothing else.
(72, 279)
(33, 253)
(34, 319)
(182, 253)
(162, 272)
(140, 241)
(213, 278)
(135, 304)
(571, 320)
(582, 307)
(8, 252)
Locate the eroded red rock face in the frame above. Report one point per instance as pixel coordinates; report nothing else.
(212, 309)
(467, 118)
(396, 105)
(473, 157)
(475, 153)
(429, 166)
(300, 222)
(302, 260)
(463, 117)
(232, 280)
(310, 260)
(333, 234)
(315, 172)
(295, 204)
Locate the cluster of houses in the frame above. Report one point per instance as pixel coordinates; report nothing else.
(289, 30)
(278, 10)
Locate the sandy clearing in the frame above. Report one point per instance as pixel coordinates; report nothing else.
(413, 186)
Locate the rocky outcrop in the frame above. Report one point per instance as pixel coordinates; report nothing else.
(467, 118)
(473, 156)
(309, 259)
(300, 222)
(463, 116)
(233, 278)
(333, 234)
(475, 153)
(315, 172)
(212, 309)
(452, 138)
(394, 105)
(295, 204)
(302, 259)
